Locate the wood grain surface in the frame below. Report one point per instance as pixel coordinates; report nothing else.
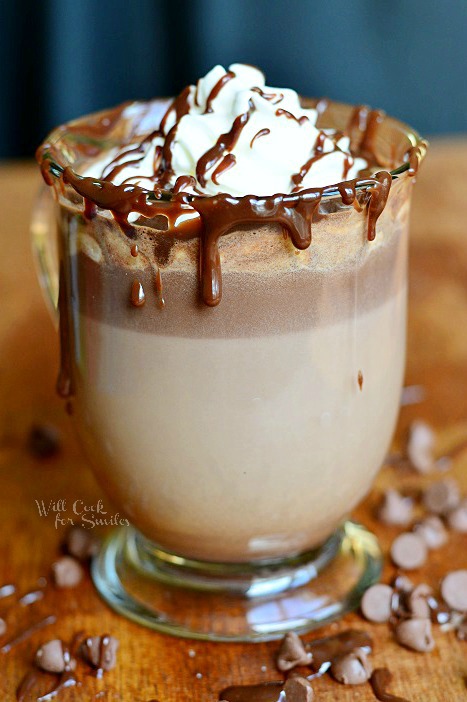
(152, 666)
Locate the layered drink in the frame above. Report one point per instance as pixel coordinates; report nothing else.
(233, 309)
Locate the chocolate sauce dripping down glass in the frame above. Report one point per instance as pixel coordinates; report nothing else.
(209, 218)
(221, 213)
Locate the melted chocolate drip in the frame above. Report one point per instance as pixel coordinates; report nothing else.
(134, 250)
(65, 384)
(285, 113)
(225, 165)
(225, 143)
(158, 289)
(190, 216)
(137, 296)
(380, 679)
(258, 135)
(217, 89)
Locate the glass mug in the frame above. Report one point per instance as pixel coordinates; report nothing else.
(236, 439)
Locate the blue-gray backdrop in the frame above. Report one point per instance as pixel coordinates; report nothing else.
(63, 58)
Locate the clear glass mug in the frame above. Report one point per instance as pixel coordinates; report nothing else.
(236, 439)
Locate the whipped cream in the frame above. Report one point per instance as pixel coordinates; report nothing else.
(233, 134)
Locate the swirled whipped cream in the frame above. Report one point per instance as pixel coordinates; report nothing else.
(233, 134)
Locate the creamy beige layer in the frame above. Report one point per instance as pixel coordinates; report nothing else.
(230, 449)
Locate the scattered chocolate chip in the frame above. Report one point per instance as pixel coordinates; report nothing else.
(3, 627)
(420, 446)
(53, 658)
(442, 497)
(415, 634)
(454, 590)
(409, 551)
(43, 441)
(457, 518)
(292, 653)
(380, 679)
(417, 602)
(298, 689)
(462, 631)
(352, 669)
(432, 531)
(403, 583)
(100, 651)
(395, 509)
(82, 543)
(376, 603)
(67, 572)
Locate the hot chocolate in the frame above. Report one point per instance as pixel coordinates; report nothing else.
(234, 361)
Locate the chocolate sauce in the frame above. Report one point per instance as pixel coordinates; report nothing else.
(137, 296)
(225, 165)
(27, 633)
(158, 289)
(258, 135)
(380, 679)
(191, 216)
(217, 89)
(285, 113)
(65, 384)
(225, 142)
(134, 250)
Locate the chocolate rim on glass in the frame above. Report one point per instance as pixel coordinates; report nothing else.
(233, 368)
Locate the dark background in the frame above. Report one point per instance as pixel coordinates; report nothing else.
(62, 58)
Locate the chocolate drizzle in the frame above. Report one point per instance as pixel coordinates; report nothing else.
(258, 135)
(137, 296)
(190, 215)
(225, 143)
(217, 89)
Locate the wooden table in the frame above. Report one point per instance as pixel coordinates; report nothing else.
(156, 666)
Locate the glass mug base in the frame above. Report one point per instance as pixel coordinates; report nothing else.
(236, 602)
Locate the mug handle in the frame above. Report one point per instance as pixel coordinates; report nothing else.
(44, 246)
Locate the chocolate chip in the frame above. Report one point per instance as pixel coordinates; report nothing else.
(376, 603)
(3, 627)
(100, 651)
(292, 653)
(82, 543)
(395, 509)
(415, 634)
(409, 551)
(403, 584)
(420, 446)
(53, 658)
(43, 441)
(67, 572)
(352, 669)
(441, 497)
(417, 602)
(457, 518)
(432, 531)
(462, 631)
(454, 590)
(298, 689)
